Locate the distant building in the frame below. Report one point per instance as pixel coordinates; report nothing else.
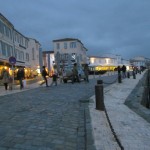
(102, 63)
(24, 49)
(48, 61)
(140, 61)
(107, 62)
(68, 51)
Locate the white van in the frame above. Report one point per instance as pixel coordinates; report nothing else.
(68, 74)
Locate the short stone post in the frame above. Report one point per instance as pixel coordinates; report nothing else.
(128, 74)
(119, 78)
(134, 75)
(99, 95)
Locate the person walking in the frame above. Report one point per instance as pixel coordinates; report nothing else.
(44, 74)
(61, 75)
(86, 72)
(119, 69)
(54, 78)
(124, 71)
(20, 77)
(119, 74)
(75, 73)
(5, 78)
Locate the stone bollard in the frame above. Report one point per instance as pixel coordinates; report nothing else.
(99, 81)
(128, 74)
(134, 75)
(119, 78)
(99, 95)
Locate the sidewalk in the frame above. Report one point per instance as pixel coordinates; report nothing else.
(16, 88)
(132, 130)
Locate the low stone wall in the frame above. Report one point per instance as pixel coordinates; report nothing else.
(136, 99)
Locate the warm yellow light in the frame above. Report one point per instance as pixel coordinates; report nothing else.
(128, 68)
(38, 70)
(107, 60)
(92, 60)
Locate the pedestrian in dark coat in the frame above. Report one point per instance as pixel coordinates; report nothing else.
(119, 69)
(54, 78)
(124, 71)
(75, 73)
(86, 72)
(21, 76)
(44, 74)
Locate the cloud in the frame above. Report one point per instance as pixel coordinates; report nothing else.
(103, 26)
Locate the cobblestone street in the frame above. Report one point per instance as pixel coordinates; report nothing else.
(47, 118)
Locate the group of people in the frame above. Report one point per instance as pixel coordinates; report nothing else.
(54, 77)
(75, 75)
(123, 70)
(7, 79)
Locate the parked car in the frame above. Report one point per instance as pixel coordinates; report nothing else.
(68, 74)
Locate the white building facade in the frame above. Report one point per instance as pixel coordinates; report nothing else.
(13, 43)
(140, 61)
(68, 51)
(107, 62)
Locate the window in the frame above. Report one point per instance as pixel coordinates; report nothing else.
(16, 53)
(0, 47)
(18, 38)
(21, 40)
(57, 46)
(8, 51)
(66, 56)
(15, 36)
(73, 45)
(1, 27)
(7, 32)
(3, 49)
(10, 31)
(21, 55)
(26, 43)
(37, 47)
(27, 57)
(33, 57)
(65, 45)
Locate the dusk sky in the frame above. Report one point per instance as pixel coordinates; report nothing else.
(103, 26)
